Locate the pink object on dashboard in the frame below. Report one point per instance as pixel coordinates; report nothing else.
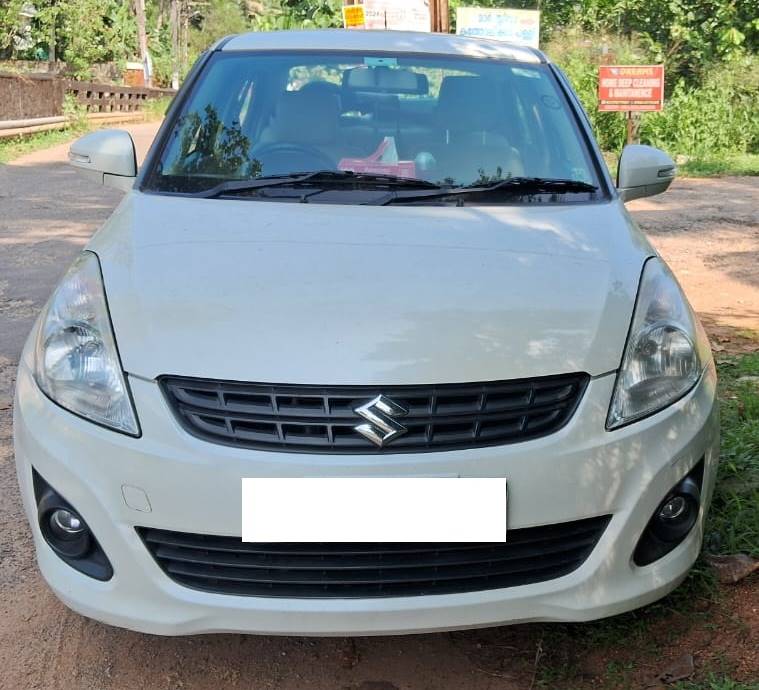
(384, 161)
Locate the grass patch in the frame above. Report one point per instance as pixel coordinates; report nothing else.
(155, 108)
(15, 147)
(716, 166)
(713, 682)
(739, 164)
(734, 517)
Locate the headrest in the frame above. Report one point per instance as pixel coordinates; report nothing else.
(306, 117)
(467, 103)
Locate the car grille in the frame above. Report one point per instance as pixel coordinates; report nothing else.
(322, 419)
(227, 565)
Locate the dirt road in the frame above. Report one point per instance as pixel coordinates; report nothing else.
(707, 229)
(708, 232)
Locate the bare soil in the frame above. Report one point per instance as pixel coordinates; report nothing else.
(708, 230)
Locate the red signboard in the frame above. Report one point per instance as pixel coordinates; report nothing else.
(630, 87)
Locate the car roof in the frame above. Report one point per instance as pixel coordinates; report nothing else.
(377, 41)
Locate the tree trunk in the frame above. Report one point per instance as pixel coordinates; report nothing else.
(175, 50)
(142, 34)
(51, 56)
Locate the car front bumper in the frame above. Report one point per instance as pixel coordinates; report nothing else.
(194, 486)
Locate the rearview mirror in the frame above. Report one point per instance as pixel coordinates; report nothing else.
(107, 156)
(386, 80)
(643, 171)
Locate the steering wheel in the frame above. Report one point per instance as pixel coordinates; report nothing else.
(281, 157)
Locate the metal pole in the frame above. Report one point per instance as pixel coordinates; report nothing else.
(630, 127)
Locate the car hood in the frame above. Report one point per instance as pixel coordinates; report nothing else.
(344, 294)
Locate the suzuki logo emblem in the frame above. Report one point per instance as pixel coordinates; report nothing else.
(382, 427)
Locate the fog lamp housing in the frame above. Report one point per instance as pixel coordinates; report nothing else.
(673, 519)
(66, 532)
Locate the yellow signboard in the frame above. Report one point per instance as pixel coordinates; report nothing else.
(353, 16)
(400, 15)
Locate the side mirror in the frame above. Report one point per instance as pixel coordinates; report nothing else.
(643, 171)
(107, 156)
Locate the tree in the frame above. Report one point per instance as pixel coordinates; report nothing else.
(689, 36)
(142, 34)
(218, 18)
(270, 15)
(11, 23)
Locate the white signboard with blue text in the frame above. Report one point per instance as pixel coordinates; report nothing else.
(514, 26)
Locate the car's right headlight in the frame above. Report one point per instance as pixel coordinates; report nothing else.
(666, 352)
(77, 363)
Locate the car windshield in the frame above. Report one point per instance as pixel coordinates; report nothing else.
(449, 120)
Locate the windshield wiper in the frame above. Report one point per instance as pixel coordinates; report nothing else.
(325, 177)
(512, 186)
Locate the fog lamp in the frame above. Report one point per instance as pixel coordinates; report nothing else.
(673, 519)
(678, 512)
(672, 508)
(66, 524)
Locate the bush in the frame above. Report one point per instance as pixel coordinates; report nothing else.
(75, 111)
(716, 117)
(579, 55)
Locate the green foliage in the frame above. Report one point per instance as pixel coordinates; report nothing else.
(579, 54)
(208, 146)
(272, 15)
(156, 108)
(733, 520)
(708, 48)
(714, 682)
(220, 18)
(719, 116)
(75, 112)
(715, 117)
(687, 35)
(86, 31)
(10, 22)
(14, 147)
(724, 164)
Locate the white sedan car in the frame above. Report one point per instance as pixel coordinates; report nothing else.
(387, 257)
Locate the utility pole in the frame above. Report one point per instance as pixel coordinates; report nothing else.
(439, 19)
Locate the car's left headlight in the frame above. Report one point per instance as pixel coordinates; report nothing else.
(666, 352)
(77, 362)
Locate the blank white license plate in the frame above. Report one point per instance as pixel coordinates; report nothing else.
(374, 509)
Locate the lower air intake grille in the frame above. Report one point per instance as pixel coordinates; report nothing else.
(323, 419)
(226, 565)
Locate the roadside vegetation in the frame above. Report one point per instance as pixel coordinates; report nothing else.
(708, 47)
(717, 166)
(15, 147)
(734, 517)
(715, 682)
